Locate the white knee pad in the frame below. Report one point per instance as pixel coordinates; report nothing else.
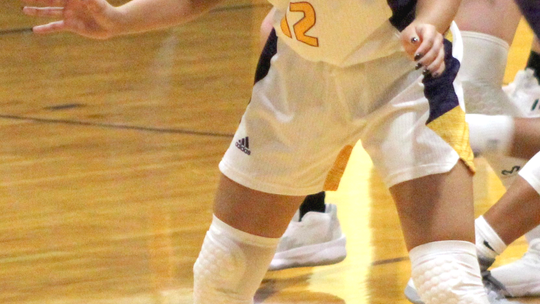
(482, 85)
(482, 72)
(447, 272)
(231, 265)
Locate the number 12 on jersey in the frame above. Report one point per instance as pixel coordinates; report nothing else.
(303, 25)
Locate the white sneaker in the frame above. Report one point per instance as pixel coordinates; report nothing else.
(495, 292)
(522, 277)
(524, 91)
(315, 240)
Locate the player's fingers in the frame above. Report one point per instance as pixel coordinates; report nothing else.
(43, 11)
(53, 27)
(55, 3)
(437, 66)
(410, 41)
(436, 45)
(428, 38)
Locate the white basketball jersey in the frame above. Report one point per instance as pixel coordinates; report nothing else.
(334, 30)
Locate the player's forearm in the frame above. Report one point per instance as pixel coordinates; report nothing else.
(439, 13)
(145, 15)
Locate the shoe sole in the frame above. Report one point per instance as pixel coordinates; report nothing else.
(528, 287)
(412, 295)
(522, 290)
(313, 255)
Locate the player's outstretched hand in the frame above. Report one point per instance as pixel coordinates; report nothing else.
(89, 18)
(425, 46)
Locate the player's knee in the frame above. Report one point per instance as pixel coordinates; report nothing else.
(220, 272)
(447, 272)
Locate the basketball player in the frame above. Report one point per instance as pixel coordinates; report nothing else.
(345, 66)
(488, 39)
(304, 245)
(522, 277)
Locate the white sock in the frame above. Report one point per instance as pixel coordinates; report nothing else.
(488, 242)
(231, 265)
(447, 272)
(490, 134)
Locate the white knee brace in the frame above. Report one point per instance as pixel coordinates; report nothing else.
(231, 265)
(482, 83)
(447, 272)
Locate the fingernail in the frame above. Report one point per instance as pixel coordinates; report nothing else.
(418, 66)
(426, 72)
(414, 39)
(417, 56)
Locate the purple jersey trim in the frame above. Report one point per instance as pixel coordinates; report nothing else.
(531, 11)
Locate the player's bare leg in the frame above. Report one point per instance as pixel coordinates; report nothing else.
(436, 214)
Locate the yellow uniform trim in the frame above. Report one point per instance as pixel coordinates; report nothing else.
(452, 127)
(336, 173)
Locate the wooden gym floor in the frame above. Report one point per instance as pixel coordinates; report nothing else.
(109, 158)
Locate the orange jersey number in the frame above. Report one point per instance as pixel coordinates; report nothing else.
(303, 25)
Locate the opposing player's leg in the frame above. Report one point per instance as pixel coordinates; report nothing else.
(503, 126)
(521, 201)
(495, 231)
(522, 277)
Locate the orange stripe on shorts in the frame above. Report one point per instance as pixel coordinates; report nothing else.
(336, 173)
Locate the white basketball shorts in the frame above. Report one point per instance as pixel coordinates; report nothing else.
(304, 118)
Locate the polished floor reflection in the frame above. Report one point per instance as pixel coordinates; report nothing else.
(109, 165)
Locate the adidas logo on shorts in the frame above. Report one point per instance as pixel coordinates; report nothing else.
(243, 145)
